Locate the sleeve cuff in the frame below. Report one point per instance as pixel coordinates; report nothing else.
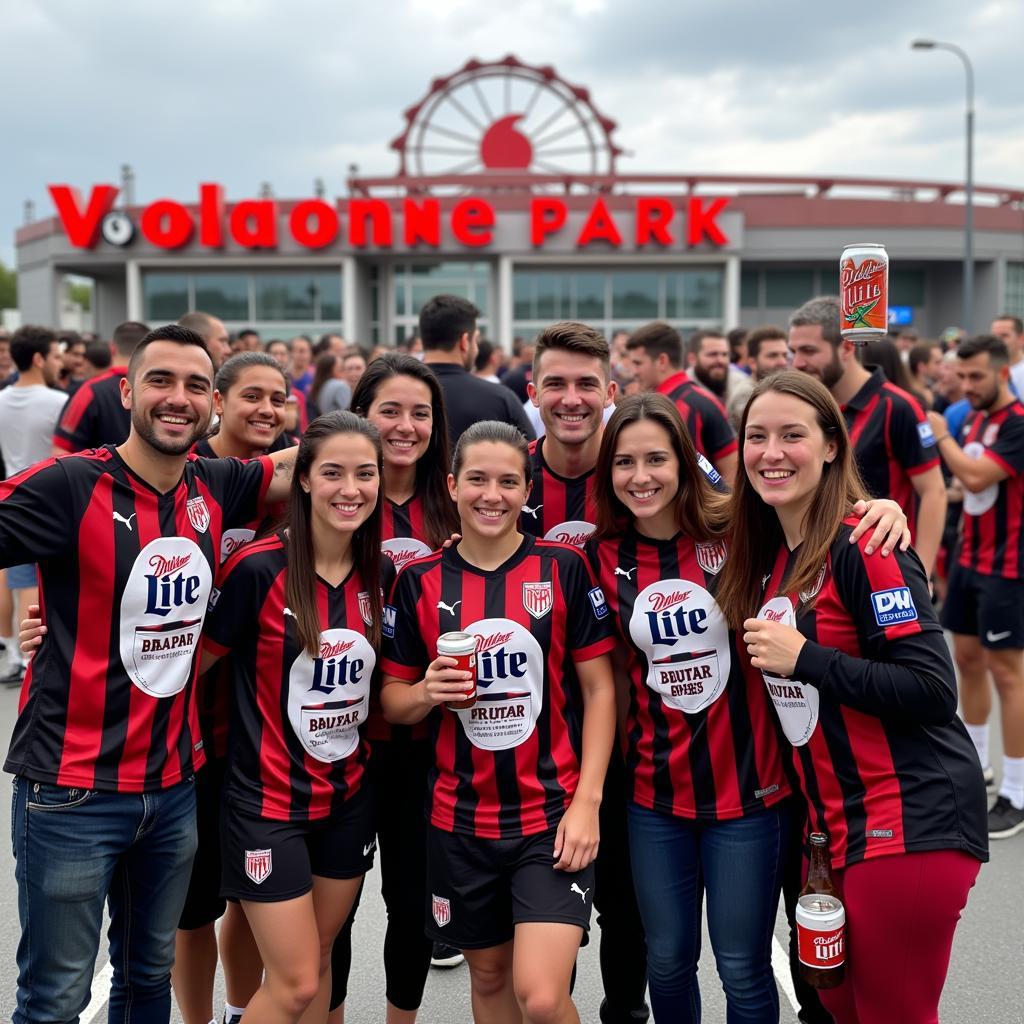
(923, 467)
(726, 450)
(400, 671)
(605, 646)
(812, 664)
(63, 443)
(211, 645)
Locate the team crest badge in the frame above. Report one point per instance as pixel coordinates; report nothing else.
(258, 865)
(198, 513)
(538, 598)
(711, 556)
(812, 591)
(364, 607)
(991, 433)
(442, 910)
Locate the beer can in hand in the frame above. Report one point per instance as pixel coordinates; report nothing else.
(864, 292)
(821, 940)
(461, 647)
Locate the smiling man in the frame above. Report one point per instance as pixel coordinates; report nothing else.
(107, 741)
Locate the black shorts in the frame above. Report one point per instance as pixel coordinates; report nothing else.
(988, 607)
(478, 890)
(203, 901)
(269, 861)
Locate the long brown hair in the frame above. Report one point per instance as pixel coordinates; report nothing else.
(300, 588)
(324, 371)
(700, 512)
(440, 517)
(756, 532)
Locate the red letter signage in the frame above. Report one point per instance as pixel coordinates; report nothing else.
(472, 220)
(701, 221)
(254, 223)
(546, 217)
(422, 222)
(653, 214)
(211, 215)
(82, 226)
(599, 227)
(325, 223)
(377, 211)
(167, 224)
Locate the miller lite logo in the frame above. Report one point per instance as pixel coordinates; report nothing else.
(198, 513)
(538, 598)
(364, 607)
(258, 865)
(441, 909)
(711, 556)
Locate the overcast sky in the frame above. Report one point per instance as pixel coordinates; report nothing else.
(246, 91)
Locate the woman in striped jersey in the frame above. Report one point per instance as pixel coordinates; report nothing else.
(705, 774)
(402, 399)
(847, 645)
(300, 615)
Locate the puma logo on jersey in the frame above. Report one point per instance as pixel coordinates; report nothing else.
(628, 573)
(582, 892)
(118, 518)
(532, 511)
(450, 608)
(369, 847)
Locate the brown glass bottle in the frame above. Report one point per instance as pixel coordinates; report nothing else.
(821, 921)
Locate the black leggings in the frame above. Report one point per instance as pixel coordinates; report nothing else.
(398, 773)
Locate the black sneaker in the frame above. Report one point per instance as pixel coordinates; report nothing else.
(1004, 820)
(639, 1015)
(445, 956)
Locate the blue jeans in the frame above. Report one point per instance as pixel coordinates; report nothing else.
(739, 863)
(73, 849)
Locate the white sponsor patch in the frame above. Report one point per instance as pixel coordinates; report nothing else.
(795, 704)
(509, 685)
(685, 642)
(598, 602)
(893, 606)
(232, 540)
(163, 607)
(924, 431)
(575, 532)
(402, 550)
(329, 696)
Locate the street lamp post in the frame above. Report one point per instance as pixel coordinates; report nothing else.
(968, 306)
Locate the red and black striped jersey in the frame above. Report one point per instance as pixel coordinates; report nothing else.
(94, 415)
(882, 759)
(703, 414)
(403, 531)
(125, 576)
(508, 766)
(892, 441)
(702, 741)
(296, 751)
(993, 538)
(404, 539)
(559, 508)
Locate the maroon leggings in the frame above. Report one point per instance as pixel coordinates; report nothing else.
(901, 912)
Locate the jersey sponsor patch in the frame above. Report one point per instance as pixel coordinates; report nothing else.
(404, 549)
(893, 606)
(709, 471)
(575, 532)
(388, 622)
(711, 556)
(214, 597)
(812, 591)
(258, 865)
(795, 704)
(924, 431)
(364, 607)
(598, 602)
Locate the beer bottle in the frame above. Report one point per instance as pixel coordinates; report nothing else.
(821, 921)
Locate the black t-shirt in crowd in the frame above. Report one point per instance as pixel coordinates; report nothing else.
(469, 400)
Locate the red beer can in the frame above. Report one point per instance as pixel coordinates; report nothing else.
(821, 939)
(864, 291)
(461, 647)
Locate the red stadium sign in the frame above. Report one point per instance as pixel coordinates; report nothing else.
(655, 221)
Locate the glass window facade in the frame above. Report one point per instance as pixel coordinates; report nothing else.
(1013, 301)
(286, 300)
(688, 298)
(788, 288)
(414, 283)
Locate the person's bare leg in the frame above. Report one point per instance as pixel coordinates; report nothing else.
(972, 669)
(239, 957)
(491, 990)
(542, 970)
(193, 973)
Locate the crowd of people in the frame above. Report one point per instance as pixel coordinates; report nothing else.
(697, 630)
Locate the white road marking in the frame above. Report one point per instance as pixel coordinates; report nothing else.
(780, 965)
(100, 993)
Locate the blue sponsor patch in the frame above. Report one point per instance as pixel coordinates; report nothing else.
(388, 624)
(214, 597)
(924, 431)
(893, 606)
(597, 600)
(709, 471)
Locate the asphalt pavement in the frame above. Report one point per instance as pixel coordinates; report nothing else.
(983, 987)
